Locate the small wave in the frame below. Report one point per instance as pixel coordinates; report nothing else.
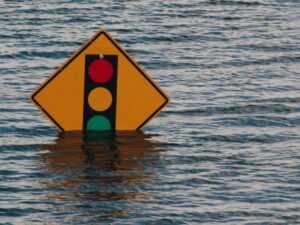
(5, 36)
(282, 100)
(37, 54)
(244, 138)
(244, 109)
(231, 18)
(260, 121)
(25, 132)
(268, 48)
(269, 61)
(232, 3)
(166, 38)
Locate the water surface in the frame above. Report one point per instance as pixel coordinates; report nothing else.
(225, 151)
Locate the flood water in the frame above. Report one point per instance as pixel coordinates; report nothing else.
(226, 150)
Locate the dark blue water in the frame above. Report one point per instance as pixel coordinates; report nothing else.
(225, 151)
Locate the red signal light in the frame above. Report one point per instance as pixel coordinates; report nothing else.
(100, 70)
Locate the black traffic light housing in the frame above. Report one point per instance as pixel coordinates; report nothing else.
(110, 85)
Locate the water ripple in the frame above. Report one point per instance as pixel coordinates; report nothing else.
(225, 151)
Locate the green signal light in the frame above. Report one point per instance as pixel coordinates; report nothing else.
(98, 123)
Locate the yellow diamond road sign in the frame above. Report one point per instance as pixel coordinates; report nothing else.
(100, 88)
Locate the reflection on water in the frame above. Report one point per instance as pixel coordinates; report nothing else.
(100, 167)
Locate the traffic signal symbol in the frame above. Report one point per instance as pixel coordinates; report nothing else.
(100, 99)
(100, 70)
(100, 92)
